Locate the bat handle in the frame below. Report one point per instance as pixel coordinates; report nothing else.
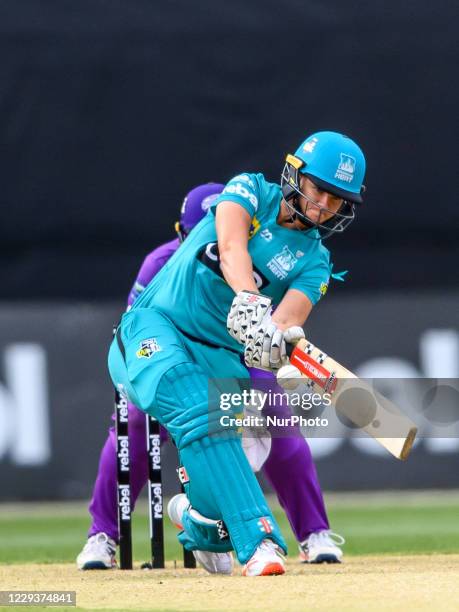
(289, 349)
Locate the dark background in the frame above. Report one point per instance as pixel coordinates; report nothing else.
(111, 110)
(74, 339)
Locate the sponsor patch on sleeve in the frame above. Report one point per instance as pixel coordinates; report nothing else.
(148, 348)
(242, 186)
(323, 288)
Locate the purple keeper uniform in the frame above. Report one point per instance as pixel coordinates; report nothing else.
(289, 468)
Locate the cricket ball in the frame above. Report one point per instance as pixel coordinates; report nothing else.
(289, 377)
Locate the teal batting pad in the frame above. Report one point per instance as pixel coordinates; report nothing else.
(201, 533)
(221, 483)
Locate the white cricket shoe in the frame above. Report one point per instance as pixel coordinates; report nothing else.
(176, 507)
(215, 563)
(267, 560)
(322, 547)
(98, 553)
(212, 562)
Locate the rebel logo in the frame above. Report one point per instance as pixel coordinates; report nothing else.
(123, 409)
(123, 453)
(124, 502)
(155, 451)
(156, 500)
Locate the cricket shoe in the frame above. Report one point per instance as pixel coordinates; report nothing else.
(322, 547)
(98, 553)
(266, 561)
(212, 562)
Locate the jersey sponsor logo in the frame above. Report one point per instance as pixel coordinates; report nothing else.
(266, 235)
(240, 190)
(210, 257)
(282, 263)
(323, 288)
(254, 227)
(245, 179)
(346, 168)
(260, 279)
(148, 348)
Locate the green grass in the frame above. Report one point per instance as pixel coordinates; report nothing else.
(375, 525)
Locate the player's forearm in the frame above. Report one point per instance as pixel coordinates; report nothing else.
(284, 320)
(236, 266)
(293, 310)
(232, 223)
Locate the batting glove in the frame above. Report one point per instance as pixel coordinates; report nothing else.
(265, 345)
(247, 310)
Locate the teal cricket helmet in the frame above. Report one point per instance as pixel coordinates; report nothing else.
(336, 164)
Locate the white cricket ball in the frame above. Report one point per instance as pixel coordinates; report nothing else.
(289, 377)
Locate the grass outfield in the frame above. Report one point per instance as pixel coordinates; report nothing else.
(373, 524)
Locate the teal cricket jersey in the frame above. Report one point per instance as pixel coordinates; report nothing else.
(190, 288)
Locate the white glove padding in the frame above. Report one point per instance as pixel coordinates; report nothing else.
(265, 345)
(247, 310)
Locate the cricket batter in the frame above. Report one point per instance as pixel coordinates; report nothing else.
(210, 303)
(289, 467)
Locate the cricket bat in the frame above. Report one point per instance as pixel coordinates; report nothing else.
(355, 399)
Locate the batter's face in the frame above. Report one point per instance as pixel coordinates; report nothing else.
(316, 204)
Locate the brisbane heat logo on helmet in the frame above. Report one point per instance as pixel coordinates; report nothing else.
(346, 168)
